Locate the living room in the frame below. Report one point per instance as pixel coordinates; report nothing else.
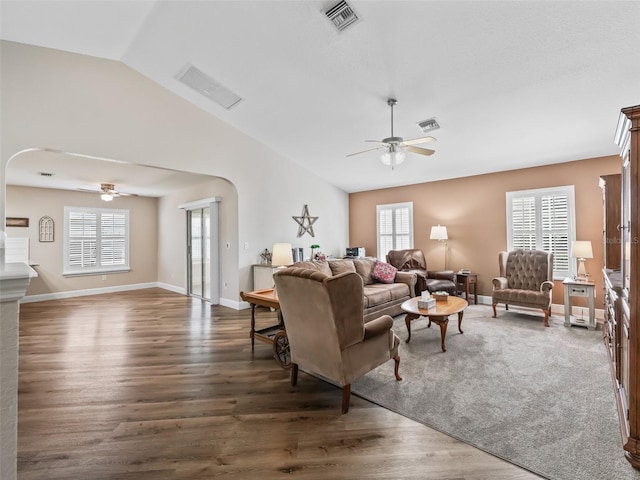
(109, 109)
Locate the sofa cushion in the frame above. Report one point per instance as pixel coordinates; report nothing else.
(376, 294)
(396, 290)
(320, 266)
(341, 266)
(364, 267)
(384, 272)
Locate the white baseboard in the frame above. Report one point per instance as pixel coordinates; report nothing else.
(172, 288)
(82, 293)
(225, 302)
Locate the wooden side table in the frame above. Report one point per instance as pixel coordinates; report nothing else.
(464, 281)
(573, 288)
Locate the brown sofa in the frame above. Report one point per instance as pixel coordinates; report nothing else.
(379, 298)
(412, 260)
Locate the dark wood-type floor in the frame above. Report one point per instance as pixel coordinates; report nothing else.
(153, 385)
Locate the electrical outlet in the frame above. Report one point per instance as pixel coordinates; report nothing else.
(104, 277)
(228, 245)
(246, 245)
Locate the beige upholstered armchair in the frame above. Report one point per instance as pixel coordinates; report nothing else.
(526, 279)
(323, 316)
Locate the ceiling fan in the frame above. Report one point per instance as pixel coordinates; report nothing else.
(108, 191)
(395, 147)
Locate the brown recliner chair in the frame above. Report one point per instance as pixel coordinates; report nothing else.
(526, 279)
(323, 317)
(412, 260)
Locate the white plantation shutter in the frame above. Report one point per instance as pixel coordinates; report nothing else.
(395, 227)
(96, 240)
(543, 219)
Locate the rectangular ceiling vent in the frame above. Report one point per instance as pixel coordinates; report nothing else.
(207, 86)
(428, 125)
(341, 15)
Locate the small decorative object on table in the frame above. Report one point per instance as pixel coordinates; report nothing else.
(314, 247)
(440, 296)
(426, 302)
(265, 257)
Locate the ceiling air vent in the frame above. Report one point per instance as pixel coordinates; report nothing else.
(341, 15)
(45, 174)
(207, 86)
(428, 125)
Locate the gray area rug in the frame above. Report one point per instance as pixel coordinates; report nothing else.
(540, 398)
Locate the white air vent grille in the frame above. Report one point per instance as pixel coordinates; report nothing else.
(207, 86)
(428, 125)
(341, 15)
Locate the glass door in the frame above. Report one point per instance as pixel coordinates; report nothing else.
(199, 252)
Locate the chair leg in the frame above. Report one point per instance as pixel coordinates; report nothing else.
(546, 318)
(294, 374)
(494, 310)
(346, 397)
(396, 359)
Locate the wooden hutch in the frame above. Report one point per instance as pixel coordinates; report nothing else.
(621, 277)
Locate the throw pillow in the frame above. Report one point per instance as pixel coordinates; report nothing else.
(384, 272)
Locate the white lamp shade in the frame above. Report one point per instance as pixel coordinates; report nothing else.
(438, 233)
(281, 254)
(581, 249)
(107, 197)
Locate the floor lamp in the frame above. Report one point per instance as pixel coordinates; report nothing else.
(440, 233)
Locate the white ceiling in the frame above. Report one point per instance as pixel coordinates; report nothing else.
(512, 84)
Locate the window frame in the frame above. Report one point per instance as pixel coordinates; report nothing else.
(394, 207)
(74, 271)
(538, 194)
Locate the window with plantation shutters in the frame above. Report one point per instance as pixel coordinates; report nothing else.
(543, 219)
(96, 240)
(395, 227)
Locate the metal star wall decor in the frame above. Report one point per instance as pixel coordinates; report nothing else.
(305, 218)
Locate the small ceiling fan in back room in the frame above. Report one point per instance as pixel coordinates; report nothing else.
(394, 147)
(108, 192)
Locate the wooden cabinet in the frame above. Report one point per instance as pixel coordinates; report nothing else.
(622, 291)
(611, 196)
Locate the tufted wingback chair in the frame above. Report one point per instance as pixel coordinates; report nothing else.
(323, 316)
(526, 279)
(412, 260)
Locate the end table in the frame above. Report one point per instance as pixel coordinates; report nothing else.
(464, 281)
(574, 288)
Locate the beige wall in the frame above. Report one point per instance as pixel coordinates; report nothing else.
(34, 203)
(474, 212)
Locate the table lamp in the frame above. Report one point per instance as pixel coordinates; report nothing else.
(581, 249)
(281, 255)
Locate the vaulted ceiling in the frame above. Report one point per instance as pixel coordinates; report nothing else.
(512, 84)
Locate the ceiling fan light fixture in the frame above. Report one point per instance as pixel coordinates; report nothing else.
(107, 197)
(393, 156)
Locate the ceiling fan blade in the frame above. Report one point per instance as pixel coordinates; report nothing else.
(416, 141)
(419, 150)
(375, 141)
(122, 194)
(88, 190)
(364, 151)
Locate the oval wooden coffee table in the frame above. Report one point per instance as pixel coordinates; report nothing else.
(438, 314)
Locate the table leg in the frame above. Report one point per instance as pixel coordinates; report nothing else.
(475, 293)
(460, 322)
(253, 325)
(407, 321)
(443, 331)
